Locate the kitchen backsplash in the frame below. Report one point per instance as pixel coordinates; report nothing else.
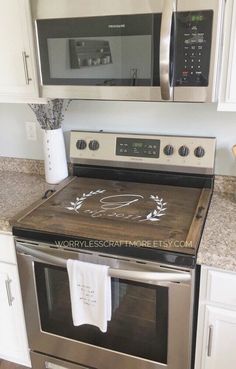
(154, 118)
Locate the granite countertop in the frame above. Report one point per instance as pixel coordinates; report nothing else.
(17, 192)
(21, 184)
(218, 244)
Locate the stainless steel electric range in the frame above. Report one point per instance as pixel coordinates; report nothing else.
(138, 204)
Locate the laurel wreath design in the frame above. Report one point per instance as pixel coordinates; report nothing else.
(79, 200)
(153, 216)
(157, 213)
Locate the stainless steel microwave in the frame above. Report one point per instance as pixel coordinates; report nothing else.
(149, 50)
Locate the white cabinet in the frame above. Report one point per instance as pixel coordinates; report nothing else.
(216, 332)
(18, 76)
(220, 338)
(13, 339)
(227, 96)
(12, 332)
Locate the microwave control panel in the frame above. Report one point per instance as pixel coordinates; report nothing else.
(193, 48)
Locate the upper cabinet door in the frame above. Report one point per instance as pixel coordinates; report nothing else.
(18, 77)
(227, 98)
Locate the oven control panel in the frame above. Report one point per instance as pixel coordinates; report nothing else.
(167, 153)
(138, 147)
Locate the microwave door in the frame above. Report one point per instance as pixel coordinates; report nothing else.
(108, 56)
(197, 44)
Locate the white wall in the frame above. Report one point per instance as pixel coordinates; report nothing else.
(160, 118)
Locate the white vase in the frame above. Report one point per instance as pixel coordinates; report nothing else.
(56, 168)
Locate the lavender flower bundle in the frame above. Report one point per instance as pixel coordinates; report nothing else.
(50, 116)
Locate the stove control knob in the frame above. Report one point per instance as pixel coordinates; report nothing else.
(168, 150)
(93, 145)
(81, 144)
(199, 152)
(183, 151)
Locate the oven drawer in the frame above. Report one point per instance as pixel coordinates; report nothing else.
(40, 361)
(221, 287)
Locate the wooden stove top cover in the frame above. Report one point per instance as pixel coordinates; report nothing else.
(135, 214)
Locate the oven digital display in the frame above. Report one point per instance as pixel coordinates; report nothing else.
(135, 147)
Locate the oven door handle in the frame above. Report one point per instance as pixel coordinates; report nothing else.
(165, 42)
(132, 275)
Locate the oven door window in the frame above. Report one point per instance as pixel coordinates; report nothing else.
(100, 51)
(139, 323)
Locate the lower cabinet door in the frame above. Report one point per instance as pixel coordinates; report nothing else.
(13, 339)
(219, 350)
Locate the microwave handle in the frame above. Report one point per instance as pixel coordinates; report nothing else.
(132, 275)
(165, 41)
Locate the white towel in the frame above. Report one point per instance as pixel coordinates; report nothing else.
(90, 293)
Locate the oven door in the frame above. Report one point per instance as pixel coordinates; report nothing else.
(151, 312)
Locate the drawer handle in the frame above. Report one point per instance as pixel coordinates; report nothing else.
(8, 289)
(50, 365)
(210, 341)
